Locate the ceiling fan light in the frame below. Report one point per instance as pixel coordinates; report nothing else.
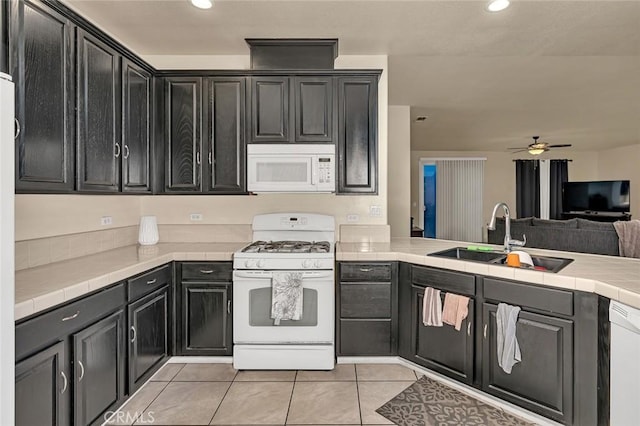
(536, 151)
(497, 5)
(202, 4)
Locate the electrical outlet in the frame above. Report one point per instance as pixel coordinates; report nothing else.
(106, 220)
(196, 217)
(353, 218)
(375, 211)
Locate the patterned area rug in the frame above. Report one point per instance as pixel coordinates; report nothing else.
(431, 403)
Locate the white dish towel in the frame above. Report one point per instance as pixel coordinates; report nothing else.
(286, 296)
(508, 350)
(431, 308)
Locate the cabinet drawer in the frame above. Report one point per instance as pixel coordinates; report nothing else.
(455, 282)
(38, 332)
(528, 295)
(149, 282)
(365, 272)
(365, 300)
(365, 337)
(206, 271)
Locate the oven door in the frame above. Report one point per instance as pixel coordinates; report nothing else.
(252, 322)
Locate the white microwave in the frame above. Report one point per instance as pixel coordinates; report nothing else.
(291, 168)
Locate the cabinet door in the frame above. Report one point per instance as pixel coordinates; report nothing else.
(226, 145)
(443, 349)
(270, 109)
(136, 128)
(148, 336)
(99, 369)
(182, 138)
(98, 118)
(206, 319)
(313, 109)
(42, 388)
(42, 55)
(357, 135)
(542, 382)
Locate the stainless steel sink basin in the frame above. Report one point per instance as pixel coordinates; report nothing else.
(463, 253)
(550, 264)
(543, 263)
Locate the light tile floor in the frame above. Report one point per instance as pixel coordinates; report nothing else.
(216, 394)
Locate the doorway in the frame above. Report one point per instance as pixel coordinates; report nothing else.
(429, 212)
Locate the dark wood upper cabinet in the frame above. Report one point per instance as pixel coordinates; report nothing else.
(313, 109)
(183, 117)
(357, 135)
(98, 115)
(226, 136)
(42, 58)
(136, 127)
(270, 109)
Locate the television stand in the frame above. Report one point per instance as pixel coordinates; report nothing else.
(597, 216)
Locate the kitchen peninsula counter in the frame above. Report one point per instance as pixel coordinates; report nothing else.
(43, 287)
(617, 278)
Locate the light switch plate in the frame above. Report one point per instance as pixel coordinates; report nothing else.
(375, 211)
(352, 218)
(106, 220)
(195, 217)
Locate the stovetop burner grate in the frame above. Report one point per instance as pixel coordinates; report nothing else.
(288, 247)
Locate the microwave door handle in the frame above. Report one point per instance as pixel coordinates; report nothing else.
(314, 170)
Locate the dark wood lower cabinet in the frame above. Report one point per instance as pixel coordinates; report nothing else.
(99, 369)
(443, 349)
(148, 336)
(42, 388)
(543, 381)
(206, 319)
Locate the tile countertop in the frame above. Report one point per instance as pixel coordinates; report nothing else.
(43, 287)
(617, 278)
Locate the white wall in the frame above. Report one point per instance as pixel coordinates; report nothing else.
(622, 163)
(399, 194)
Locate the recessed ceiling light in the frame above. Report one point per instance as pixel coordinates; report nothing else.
(202, 4)
(421, 118)
(497, 5)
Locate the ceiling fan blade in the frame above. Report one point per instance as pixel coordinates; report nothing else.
(522, 150)
(521, 147)
(560, 146)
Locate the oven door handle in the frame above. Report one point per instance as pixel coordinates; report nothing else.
(269, 274)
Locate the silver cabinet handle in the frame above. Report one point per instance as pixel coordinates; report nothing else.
(117, 149)
(81, 372)
(365, 269)
(153, 281)
(65, 381)
(484, 332)
(469, 328)
(198, 157)
(17, 131)
(229, 307)
(70, 317)
(206, 271)
(126, 152)
(210, 159)
(133, 331)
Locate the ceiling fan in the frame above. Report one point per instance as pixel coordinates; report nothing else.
(537, 148)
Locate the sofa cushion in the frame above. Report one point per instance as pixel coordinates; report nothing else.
(571, 223)
(592, 224)
(521, 221)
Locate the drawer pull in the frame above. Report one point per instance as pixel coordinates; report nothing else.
(133, 332)
(65, 381)
(469, 329)
(365, 269)
(229, 307)
(81, 372)
(74, 316)
(484, 333)
(206, 271)
(153, 281)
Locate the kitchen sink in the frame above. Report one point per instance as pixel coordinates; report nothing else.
(463, 253)
(540, 263)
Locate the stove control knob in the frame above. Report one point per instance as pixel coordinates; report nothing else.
(317, 264)
(249, 263)
(260, 264)
(306, 263)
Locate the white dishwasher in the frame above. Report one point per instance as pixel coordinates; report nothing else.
(625, 368)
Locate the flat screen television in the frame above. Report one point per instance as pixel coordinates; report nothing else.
(596, 196)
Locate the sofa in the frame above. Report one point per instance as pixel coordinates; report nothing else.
(578, 235)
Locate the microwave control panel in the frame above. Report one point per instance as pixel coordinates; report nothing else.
(326, 173)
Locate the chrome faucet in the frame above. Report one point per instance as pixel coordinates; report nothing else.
(508, 242)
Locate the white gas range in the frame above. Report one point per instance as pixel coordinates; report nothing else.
(285, 244)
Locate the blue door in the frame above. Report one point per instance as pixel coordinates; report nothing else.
(430, 201)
